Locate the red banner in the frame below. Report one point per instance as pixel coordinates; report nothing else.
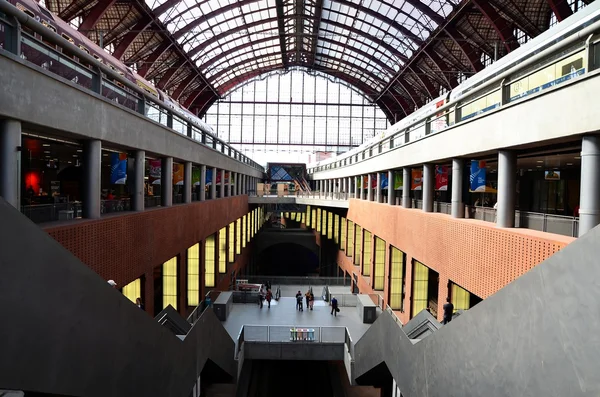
(441, 177)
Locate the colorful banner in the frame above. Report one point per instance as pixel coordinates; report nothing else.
(208, 177)
(417, 180)
(441, 177)
(477, 177)
(118, 168)
(398, 181)
(155, 171)
(195, 176)
(384, 180)
(178, 174)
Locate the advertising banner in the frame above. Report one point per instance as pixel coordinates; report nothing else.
(384, 180)
(552, 175)
(208, 177)
(365, 183)
(195, 176)
(441, 177)
(417, 180)
(398, 181)
(155, 171)
(118, 168)
(178, 174)
(477, 176)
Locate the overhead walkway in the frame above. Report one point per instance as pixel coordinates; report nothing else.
(296, 202)
(67, 332)
(535, 337)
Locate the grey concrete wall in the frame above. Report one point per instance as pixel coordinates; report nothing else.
(67, 332)
(562, 112)
(65, 109)
(294, 351)
(538, 336)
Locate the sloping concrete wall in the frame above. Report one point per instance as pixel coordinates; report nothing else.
(538, 336)
(66, 332)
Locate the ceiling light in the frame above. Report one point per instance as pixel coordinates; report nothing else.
(105, 154)
(530, 169)
(539, 166)
(69, 162)
(569, 163)
(47, 157)
(577, 157)
(79, 150)
(46, 151)
(540, 161)
(74, 155)
(45, 144)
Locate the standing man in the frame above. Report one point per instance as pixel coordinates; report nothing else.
(334, 306)
(448, 311)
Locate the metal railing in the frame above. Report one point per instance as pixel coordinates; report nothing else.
(82, 69)
(208, 300)
(290, 280)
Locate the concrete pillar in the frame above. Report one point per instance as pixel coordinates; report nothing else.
(10, 162)
(378, 188)
(589, 194)
(369, 190)
(222, 185)
(507, 181)
(406, 176)
(139, 167)
(428, 187)
(166, 181)
(390, 187)
(213, 184)
(361, 183)
(187, 182)
(243, 184)
(356, 187)
(458, 207)
(202, 183)
(233, 180)
(228, 187)
(92, 155)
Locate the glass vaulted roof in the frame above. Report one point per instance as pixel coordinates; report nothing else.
(364, 42)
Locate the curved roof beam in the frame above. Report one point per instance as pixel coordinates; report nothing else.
(156, 53)
(437, 18)
(424, 80)
(130, 37)
(185, 83)
(406, 87)
(466, 48)
(501, 25)
(173, 69)
(561, 9)
(92, 18)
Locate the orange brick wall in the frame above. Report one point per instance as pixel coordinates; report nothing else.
(474, 254)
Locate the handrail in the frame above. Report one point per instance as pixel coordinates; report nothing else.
(499, 78)
(57, 39)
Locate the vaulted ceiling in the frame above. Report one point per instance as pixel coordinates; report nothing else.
(399, 53)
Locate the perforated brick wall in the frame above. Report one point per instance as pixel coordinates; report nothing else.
(474, 254)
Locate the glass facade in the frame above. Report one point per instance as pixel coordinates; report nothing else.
(336, 229)
(350, 245)
(461, 298)
(238, 236)
(169, 278)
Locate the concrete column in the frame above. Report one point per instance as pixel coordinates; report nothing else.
(92, 155)
(507, 181)
(202, 183)
(137, 198)
(458, 207)
(589, 194)
(222, 185)
(406, 175)
(356, 189)
(243, 184)
(166, 181)
(229, 188)
(378, 188)
(369, 190)
(361, 182)
(390, 187)
(187, 182)
(343, 186)
(213, 184)
(428, 187)
(233, 179)
(10, 162)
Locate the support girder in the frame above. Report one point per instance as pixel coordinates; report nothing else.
(92, 18)
(501, 25)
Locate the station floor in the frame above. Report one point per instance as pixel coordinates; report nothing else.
(284, 313)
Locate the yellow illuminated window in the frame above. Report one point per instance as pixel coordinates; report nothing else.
(419, 292)
(133, 290)
(357, 245)
(244, 230)
(238, 236)
(313, 219)
(209, 261)
(396, 279)
(252, 227)
(169, 276)
(248, 227)
(324, 223)
(350, 247)
(367, 255)
(343, 235)
(223, 250)
(461, 298)
(193, 275)
(308, 212)
(379, 263)
(336, 229)
(318, 219)
(330, 225)
(304, 218)
(231, 242)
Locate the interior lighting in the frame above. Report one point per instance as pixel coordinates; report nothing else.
(569, 163)
(74, 155)
(539, 166)
(46, 151)
(577, 157)
(540, 161)
(79, 150)
(45, 144)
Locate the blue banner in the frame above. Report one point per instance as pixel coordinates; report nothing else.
(208, 177)
(477, 176)
(118, 168)
(384, 180)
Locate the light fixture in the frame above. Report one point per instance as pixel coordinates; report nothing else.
(539, 166)
(45, 144)
(79, 150)
(530, 169)
(74, 155)
(577, 157)
(540, 161)
(46, 151)
(69, 162)
(569, 163)
(105, 154)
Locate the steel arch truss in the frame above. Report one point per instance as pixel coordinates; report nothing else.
(400, 54)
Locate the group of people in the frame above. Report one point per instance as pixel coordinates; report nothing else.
(264, 294)
(310, 300)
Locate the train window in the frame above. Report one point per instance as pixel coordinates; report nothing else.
(70, 40)
(98, 58)
(25, 10)
(82, 48)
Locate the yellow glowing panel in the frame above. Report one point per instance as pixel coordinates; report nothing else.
(367, 247)
(336, 229)
(350, 235)
(223, 250)
(133, 290)
(169, 275)
(419, 292)
(343, 235)
(244, 231)
(209, 261)
(231, 242)
(238, 236)
(358, 239)
(396, 279)
(379, 264)
(193, 275)
(461, 298)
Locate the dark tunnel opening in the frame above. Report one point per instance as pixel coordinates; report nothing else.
(287, 259)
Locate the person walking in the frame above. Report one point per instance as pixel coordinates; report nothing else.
(307, 297)
(448, 311)
(334, 306)
(261, 296)
(311, 300)
(139, 303)
(269, 297)
(298, 302)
